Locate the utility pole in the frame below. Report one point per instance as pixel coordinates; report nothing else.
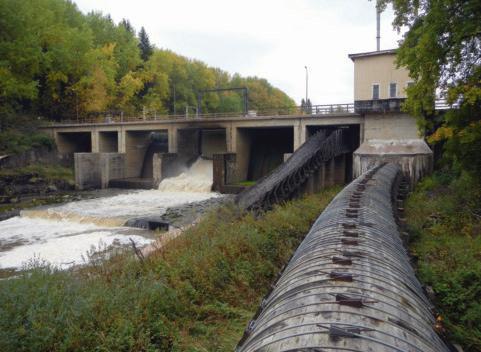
(175, 110)
(307, 83)
(378, 28)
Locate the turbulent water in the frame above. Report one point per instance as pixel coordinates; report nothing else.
(62, 235)
(198, 178)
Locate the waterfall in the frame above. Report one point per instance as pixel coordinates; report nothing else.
(198, 178)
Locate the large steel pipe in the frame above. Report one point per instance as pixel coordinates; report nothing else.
(349, 286)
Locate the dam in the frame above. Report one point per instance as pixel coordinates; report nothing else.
(117, 149)
(251, 146)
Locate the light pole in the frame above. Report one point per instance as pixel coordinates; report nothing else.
(307, 83)
(175, 110)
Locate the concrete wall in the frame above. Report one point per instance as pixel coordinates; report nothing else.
(414, 167)
(390, 126)
(165, 165)
(108, 142)
(413, 156)
(225, 171)
(95, 170)
(188, 144)
(213, 142)
(380, 69)
(136, 144)
(243, 149)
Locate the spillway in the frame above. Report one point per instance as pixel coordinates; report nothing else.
(63, 234)
(198, 178)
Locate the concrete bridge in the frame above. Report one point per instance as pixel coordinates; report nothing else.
(119, 149)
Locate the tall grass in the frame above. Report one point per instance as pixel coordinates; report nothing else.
(444, 215)
(197, 294)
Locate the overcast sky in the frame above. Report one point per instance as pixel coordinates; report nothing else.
(273, 39)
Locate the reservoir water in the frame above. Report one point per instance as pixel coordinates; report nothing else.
(63, 234)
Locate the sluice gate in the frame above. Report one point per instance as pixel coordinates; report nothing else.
(349, 286)
(287, 179)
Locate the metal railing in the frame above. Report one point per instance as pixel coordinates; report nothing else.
(395, 105)
(121, 117)
(358, 107)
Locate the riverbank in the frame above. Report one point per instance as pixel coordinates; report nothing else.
(444, 217)
(196, 294)
(34, 185)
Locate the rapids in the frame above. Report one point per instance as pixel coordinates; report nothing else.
(63, 234)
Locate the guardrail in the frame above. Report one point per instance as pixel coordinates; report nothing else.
(120, 117)
(358, 107)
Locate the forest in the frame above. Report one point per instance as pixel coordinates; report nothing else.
(58, 63)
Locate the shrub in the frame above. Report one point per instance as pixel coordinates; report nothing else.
(197, 294)
(444, 215)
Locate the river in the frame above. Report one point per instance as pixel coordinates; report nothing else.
(65, 235)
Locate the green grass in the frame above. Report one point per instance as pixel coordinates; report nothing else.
(197, 294)
(444, 217)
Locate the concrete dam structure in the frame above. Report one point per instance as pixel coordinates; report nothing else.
(247, 147)
(349, 286)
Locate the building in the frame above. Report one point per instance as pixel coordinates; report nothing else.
(378, 83)
(390, 134)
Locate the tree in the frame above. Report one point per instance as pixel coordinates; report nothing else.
(442, 50)
(126, 24)
(146, 49)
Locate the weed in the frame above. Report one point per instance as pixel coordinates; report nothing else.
(445, 219)
(196, 294)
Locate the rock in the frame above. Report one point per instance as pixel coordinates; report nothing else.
(52, 188)
(9, 214)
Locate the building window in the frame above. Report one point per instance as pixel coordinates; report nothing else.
(392, 90)
(375, 91)
(410, 84)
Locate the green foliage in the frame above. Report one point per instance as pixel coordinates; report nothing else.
(444, 215)
(145, 47)
(48, 172)
(14, 141)
(442, 50)
(197, 294)
(59, 63)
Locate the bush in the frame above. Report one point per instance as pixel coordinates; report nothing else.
(197, 294)
(48, 172)
(444, 215)
(14, 141)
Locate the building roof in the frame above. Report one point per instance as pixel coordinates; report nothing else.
(372, 53)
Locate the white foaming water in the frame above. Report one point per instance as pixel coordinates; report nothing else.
(198, 178)
(63, 234)
(61, 243)
(116, 210)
